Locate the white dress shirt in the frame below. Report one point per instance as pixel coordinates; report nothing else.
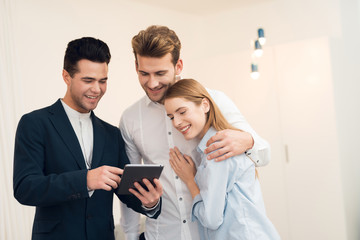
(149, 134)
(83, 128)
(82, 125)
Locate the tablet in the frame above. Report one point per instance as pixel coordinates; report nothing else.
(135, 173)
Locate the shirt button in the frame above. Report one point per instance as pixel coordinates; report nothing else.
(169, 133)
(180, 199)
(177, 177)
(184, 221)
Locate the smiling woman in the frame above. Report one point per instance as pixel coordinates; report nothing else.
(188, 117)
(227, 199)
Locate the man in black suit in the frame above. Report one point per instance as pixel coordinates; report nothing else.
(67, 161)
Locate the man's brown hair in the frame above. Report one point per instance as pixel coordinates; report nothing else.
(156, 41)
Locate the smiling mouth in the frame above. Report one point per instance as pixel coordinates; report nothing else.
(156, 89)
(91, 97)
(183, 130)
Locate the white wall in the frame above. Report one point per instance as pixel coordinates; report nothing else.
(43, 28)
(345, 62)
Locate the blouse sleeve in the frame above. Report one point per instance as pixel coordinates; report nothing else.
(208, 206)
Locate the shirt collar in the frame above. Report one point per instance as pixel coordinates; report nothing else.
(148, 101)
(73, 113)
(202, 145)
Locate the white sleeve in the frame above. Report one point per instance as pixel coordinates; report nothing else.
(260, 153)
(130, 220)
(131, 149)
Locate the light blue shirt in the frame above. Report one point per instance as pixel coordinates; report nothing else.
(230, 203)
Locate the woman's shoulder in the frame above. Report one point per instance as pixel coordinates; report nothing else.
(202, 144)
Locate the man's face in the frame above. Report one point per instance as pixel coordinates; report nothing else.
(87, 86)
(156, 75)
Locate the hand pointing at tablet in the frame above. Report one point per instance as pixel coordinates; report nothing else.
(104, 177)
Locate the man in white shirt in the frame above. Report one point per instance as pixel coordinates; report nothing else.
(148, 134)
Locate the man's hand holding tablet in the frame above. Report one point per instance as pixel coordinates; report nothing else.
(142, 180)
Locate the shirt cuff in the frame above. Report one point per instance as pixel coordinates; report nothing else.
(196, 199)
(150, 212)
(253, 154)
(90, 192)
(132, 236)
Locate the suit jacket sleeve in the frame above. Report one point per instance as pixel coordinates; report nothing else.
(32, 185)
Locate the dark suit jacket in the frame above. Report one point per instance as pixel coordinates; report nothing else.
(50, 173)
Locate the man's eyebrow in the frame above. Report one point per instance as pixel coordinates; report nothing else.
(162, 71)
(91, 78)
(157, 72)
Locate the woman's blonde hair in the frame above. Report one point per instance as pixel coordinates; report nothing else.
(193, 91)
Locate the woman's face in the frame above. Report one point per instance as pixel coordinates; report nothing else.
(187, 117)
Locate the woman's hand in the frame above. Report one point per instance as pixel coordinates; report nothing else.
(185, 168)
(183, 165)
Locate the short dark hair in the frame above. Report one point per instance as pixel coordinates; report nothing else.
(88, 48)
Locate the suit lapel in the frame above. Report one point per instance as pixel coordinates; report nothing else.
(63, 126)
(99, 141)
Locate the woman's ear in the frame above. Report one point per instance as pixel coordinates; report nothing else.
(205, 104)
